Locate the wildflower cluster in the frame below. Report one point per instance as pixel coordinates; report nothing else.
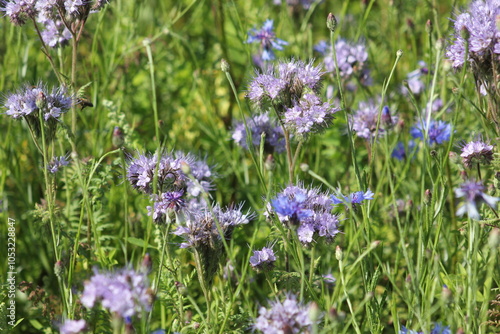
(174, 186)
(352, 60)
(308, 210)
(57, 17)
(124, 292)
(368, 120)
(29, 101)
(289, 316)
(477, 41)
(263, 260)
(257, 125)
(73, 327)
(292, 88)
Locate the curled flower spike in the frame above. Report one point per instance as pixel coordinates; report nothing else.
(267, 40)
(473, 194)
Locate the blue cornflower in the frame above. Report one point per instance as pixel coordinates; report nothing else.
(263, 260)
(292, 209)
(400, 151)
(267, 39)
(439, 131)
(289, 315)
(473, 194)
(56, 164)
(353, 199)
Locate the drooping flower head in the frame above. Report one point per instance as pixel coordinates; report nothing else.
(258, 124)
(473, 196)
(365, 118)
(438, 132)
(308, 210)
(352, 59)
(289, 316)
(73, 326)
(263, 260)
(476, 152)
(124, 292)
(267, 40)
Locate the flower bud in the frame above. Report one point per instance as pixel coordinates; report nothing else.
(269, 164)
(224, 65)
(428, 26)
(331, 22)
(118, 137)
(427, 196)
(59, 269)
(399, 53)
(304, 167)
(338, 253)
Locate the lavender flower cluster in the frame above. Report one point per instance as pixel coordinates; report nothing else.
(292, 88)
(263, 260)
(55, 16)
(175, 187)
(257, 125)
(308, 210)
(28, 101)
(352, 60)
(367, 123)
(289, 316)
(124, 292)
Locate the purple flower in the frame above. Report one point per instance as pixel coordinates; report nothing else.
(438, 329)
(476, 152)
(267, 40)
(56, 164)
(258, 124)
(399, 151)
(352, 60)
(263, 260)
(414, 79)
(474, 196)
(289, 316)
(72, 326)
(165, 204)
(365, 118)
(285, 83)
(55, 33)
(170, 175)
(124, 292)
(19, 11)
(306, 4)
(438, 131)
(308, 115)
(353, 199)
(309, 210)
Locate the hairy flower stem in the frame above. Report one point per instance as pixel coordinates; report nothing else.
(74, 54)
(203, 283)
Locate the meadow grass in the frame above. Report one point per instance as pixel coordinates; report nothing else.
(152, 71)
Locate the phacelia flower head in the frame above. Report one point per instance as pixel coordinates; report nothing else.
(267, 40)
(57, 163)
(438, 132)
(352, 59)
(309, 115)
(201, 233)
(473, 196)
(289, 316)
(476, 152)
(170, 177)
(73, 327)
(55, 34)
(258, 124)
(19, 11)
(263, 260)
(308, 210)
(285, 83)
(365, 118)
(124, 292)
(166, 204)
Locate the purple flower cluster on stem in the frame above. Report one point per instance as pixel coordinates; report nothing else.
(263, 260)
(308, 210)
(365, 119)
